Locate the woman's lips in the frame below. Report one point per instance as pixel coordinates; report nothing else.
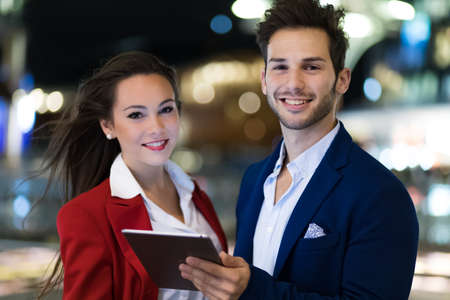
(156, 145)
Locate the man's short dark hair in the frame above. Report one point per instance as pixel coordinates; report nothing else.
(309, 14)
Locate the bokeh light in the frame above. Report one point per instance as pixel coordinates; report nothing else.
(249, 102)
(203, 93)
(221, 24)
(372, 89)
(54, 101)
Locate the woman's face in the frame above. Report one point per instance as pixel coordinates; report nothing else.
(145, 120)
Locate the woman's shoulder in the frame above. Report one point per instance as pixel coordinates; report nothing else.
(92, 200)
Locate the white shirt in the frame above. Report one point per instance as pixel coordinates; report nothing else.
(124, 185)
(272, 218)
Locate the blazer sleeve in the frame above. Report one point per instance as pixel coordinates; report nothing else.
(86, 259)
(379, 260)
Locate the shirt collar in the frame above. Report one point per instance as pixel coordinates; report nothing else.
(124, 185)
(309, 160)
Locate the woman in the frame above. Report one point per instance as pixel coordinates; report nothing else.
(112, 149)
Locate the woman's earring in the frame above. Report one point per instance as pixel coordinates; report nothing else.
(109, 136)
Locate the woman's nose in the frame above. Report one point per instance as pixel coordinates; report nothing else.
(154, 124)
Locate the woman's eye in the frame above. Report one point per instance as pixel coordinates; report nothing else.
(135, 115)
(167, 109)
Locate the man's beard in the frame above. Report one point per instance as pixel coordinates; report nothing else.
(324, 107)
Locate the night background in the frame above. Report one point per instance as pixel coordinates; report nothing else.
(397, 107)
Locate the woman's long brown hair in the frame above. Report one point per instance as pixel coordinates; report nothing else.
(79, 156)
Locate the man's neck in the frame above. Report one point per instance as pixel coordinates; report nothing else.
(298, 141)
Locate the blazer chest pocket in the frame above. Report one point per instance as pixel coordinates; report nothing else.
(320, 243)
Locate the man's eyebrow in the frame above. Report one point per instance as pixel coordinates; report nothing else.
(313, 59)
(276, 60)
(307, 59)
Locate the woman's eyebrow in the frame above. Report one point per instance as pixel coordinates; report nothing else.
(135, 107)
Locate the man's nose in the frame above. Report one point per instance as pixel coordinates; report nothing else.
(296, 79)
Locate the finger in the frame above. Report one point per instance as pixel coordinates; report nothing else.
(231, 261)
(204, 265)
(208, 282)
(224, 273)
(210, 291)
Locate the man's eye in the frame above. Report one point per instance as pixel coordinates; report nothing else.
(167, 109)
(135, 115)
(280, 67)
(311, 68)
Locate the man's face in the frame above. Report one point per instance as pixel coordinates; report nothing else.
(299, 80)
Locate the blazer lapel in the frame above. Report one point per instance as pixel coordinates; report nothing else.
(204, 205)
(130, 214)
(253, 208)
(321, 184)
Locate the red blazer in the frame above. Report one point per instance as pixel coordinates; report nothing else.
(98, 261)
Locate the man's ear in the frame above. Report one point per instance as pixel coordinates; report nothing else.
(107, 127)
(263, 81)
(343, 81)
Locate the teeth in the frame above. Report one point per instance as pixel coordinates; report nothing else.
(295, 102)
(155, 144)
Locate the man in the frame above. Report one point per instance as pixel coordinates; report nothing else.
(319, 218)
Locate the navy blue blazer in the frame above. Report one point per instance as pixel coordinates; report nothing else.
(371, 227)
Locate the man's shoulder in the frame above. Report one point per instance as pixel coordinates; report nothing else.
(366, 168)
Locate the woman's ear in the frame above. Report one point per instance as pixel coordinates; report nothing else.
(107, 128)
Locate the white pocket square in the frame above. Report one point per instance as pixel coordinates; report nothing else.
(314, 231)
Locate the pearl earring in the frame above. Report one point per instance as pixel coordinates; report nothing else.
(109, 136)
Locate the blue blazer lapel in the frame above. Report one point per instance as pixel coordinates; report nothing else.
(321, 184)
(254, 205)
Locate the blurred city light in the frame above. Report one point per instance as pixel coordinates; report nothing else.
(221, 24)
(42, 109)
(38, 98)
(6, 6)
(439, 200)
(190, 161)
(385, 158)
(250, 9)
(401, 10)
(249, 102)
(26, 82)
(335, 3)
(372, 89)
(24, 110)
(54, 101)
(21, 206)
(427, 159)
(440, 233)
(416, 31)
(3, 124)
(435, 131)
(203, 93)
(442, 50)
(400, 157)
(357, 25)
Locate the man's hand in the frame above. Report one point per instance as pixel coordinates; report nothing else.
(215, 281)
